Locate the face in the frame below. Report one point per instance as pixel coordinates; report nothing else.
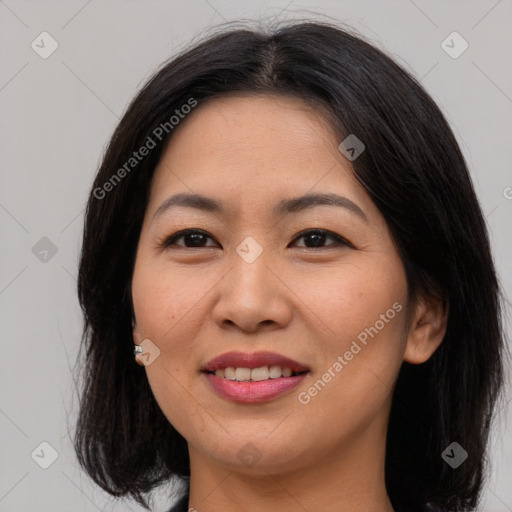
(316, 281)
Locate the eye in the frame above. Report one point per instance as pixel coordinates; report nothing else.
(191, 238)
(316, 238)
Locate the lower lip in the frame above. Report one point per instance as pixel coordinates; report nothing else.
(253, 391)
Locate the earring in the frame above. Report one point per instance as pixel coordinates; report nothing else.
(138, 350)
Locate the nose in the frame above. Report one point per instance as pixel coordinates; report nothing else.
(252, 297)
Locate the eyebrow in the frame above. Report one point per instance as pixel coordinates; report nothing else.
(285, 206)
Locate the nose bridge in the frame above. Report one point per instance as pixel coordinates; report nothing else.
(251, 264)
(250, 294)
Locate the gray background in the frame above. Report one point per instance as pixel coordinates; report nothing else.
(56, 115)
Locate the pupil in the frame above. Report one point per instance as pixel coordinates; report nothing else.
(317, 238)
(196, 239)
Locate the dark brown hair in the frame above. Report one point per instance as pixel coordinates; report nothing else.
(413, 170)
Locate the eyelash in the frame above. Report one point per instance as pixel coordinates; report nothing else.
(169, 242)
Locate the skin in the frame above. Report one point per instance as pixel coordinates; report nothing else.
(306, 303)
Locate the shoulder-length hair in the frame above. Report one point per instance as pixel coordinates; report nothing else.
(413, 170)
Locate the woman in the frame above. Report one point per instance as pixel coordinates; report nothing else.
(284, 229)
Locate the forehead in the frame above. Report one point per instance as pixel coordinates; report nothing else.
(252, 150)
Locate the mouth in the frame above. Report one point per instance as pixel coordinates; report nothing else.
(256, 377)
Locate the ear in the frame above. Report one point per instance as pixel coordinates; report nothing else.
(427, 329)
(137, 338)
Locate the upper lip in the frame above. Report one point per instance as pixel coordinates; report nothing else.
(252, 360)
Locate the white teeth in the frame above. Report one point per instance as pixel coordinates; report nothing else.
(275, 372)
(229, 373)
(242, 374)
(254, 374)
(259, 373)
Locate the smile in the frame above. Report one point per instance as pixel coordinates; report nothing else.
(255, 374)
(253, 377)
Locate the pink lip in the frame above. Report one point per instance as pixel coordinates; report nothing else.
(254, 360)
(253, 392)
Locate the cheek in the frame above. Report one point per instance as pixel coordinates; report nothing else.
(360, 313)
(171, 307)
(346, 299)
(166, 310)
(163, 300)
